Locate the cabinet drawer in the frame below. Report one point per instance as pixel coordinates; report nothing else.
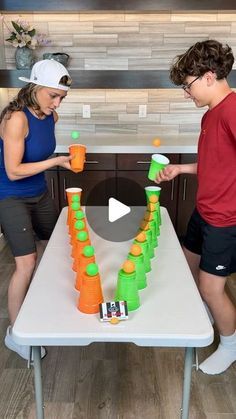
(99, 161)
(133, 161)
(140, 161)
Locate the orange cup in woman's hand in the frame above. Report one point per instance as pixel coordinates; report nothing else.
(77, 152)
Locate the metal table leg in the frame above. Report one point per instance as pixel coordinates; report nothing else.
(38, 382)
(187, 382)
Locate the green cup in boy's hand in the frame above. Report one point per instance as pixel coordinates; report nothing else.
(158, 163)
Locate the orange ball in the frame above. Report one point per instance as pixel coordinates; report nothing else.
(141, 237)
(153, 199)
(151, 207)
(128, 266)
(114, 320)
(148, 216)
(144, 225)
(135, 250)
(156, 142)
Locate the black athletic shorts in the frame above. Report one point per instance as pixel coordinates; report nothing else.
(23, 218)
(216, 245)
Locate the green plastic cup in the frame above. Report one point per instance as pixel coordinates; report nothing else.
(145, 250)
(140, 270)
(158, 163)
(127, 290)
(152, 190)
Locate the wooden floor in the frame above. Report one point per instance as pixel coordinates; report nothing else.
(109, 381)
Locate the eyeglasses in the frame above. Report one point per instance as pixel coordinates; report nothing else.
(187, 87)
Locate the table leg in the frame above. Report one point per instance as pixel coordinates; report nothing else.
(38, 382)
(187, 382)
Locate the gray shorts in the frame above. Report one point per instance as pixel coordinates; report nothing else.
(22, 219)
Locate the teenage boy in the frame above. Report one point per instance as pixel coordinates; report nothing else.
(210, 242)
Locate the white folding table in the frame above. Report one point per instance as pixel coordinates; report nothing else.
(171, 312)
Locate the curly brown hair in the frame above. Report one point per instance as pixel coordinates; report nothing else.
(26, 97)
(204, 56)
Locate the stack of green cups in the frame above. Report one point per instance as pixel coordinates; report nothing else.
(149, 235)
(141, 240)
(136, 256)
(154, 190)
(149, 218)
(127, 289)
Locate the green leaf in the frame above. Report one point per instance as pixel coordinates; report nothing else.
(16, 27)
(32, 32)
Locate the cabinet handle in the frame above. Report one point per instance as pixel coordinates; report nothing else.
(172, 194)
(185, 189)
(64, 188)
(143, 162)
(52, 188)
(91, 161)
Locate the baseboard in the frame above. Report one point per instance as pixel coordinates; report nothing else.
(2, 242)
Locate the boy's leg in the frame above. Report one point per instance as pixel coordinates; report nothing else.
(193, 260)
(212, 289)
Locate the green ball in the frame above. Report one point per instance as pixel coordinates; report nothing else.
(75, 198)
(75, 206)
(82, 236)
(75, 135)
(92, 269)
(79, 215)
(88, 251)
(79, 225)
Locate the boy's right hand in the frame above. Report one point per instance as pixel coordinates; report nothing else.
(168, 173)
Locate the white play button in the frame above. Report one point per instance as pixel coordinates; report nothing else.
(116, 210)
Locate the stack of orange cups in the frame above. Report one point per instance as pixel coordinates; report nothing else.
(70, 192)
(91, 291)
(76, 218)
(84, 258)
(82, 239)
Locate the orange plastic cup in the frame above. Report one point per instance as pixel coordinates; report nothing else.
(69, 194)
(77, 151)
(83, 261)
(90, 292)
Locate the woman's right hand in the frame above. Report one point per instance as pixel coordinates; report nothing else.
(168, 173)
(64, 161)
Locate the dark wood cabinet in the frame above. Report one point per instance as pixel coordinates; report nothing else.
(187, 196)
(53, 187)
(98, 168)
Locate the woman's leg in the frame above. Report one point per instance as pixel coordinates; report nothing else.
(19, 283)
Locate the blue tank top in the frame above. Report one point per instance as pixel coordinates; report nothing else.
(40, 143)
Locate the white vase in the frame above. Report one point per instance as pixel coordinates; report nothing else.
(24, 58)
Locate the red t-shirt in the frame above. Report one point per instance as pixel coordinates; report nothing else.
(216, 170)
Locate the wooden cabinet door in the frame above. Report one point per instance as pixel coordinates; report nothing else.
(187, 196)
(87, 180)
(52, 182)
(98, 168)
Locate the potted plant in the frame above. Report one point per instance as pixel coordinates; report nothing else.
(25, 39)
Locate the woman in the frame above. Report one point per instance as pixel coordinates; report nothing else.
(27, 139)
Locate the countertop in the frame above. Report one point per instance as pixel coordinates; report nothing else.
(130, 143)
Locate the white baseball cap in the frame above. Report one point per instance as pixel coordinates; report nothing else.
(48, 73)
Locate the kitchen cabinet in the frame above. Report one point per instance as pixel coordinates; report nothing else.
(186, 196)
(53, 188)
(97, 169)
(135, 167)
